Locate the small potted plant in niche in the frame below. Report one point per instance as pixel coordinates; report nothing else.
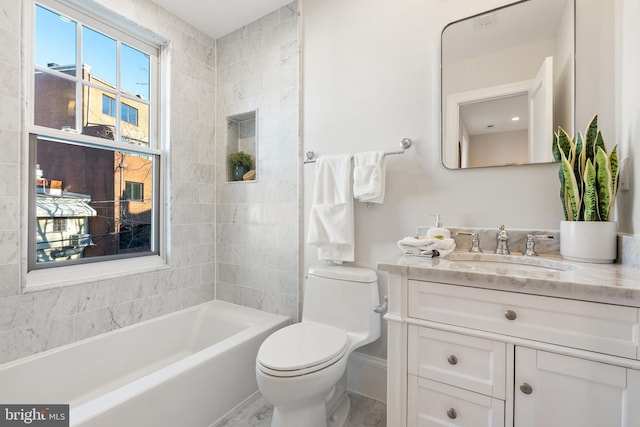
(588, 187)
(240, 163)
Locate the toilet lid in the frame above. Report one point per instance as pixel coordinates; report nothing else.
(294, 349)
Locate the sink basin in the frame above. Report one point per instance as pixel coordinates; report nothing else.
(505, 263)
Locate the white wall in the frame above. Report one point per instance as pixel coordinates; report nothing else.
(498, 148)
(564, 72)
(627, 110)
(595, 89)
(496, 68)
(610, 33)
(370, 78)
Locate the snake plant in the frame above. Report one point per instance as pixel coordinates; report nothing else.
(588, 175)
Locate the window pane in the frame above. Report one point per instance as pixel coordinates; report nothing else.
(133, 116)
(124, 112)
(98, 112)
(55, 101)
(108, 105)
(55, 41)
(98, 58)
(135, 72)
(87, 188)
(134, 124)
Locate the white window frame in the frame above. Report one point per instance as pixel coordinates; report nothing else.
(109, 23)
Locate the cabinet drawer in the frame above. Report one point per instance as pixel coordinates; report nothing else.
(464, 361)
(586, 325)
(431, 404)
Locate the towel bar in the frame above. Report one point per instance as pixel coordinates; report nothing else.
(310, 156)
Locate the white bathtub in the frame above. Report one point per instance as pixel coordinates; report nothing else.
(185, 369)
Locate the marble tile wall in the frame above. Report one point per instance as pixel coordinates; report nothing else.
(629, 250)
(257, 241)
(33, 322)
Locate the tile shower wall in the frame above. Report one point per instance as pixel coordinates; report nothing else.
(33, 322)
(258, 222)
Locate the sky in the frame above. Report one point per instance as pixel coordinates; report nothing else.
(56, 42)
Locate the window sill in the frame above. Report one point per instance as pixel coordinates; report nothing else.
(51, 278)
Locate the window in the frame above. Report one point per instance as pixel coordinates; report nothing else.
(94, 153)
(59, 224)
(129, 113)
(133, 190)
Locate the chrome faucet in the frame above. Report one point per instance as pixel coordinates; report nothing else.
(530, 248)
(475, 240)
(502, 242)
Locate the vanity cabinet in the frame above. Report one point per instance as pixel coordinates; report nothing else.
(461, 355)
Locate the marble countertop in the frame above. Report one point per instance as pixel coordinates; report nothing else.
(603, 283)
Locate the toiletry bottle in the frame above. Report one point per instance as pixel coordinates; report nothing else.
(438, 232)
(421, 232)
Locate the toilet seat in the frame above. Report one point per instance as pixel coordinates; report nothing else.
(301, 349)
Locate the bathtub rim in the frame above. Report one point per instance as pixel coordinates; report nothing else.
(94, 407)
(45, 353)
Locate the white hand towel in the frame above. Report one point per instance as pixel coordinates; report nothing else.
(369, 176)
(413, 246)
(331, 216)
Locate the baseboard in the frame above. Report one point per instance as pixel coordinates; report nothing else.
(367, 375)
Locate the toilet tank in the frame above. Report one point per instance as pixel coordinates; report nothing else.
(343, 297)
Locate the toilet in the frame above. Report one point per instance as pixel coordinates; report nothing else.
(301, 368)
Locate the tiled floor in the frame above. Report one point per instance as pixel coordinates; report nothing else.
(256, 412)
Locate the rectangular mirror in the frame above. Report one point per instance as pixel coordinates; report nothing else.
(507, 83)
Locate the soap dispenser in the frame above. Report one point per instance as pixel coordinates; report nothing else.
(438, 232)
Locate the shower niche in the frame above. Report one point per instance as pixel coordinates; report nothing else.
(242, 147)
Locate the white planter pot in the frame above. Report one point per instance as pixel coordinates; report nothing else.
(589, 241)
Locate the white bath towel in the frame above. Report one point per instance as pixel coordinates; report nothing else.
(331, 216)
(413, 246)
(369, 176)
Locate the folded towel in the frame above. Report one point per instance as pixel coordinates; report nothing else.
(331, 216)
(413, 246)
(369, 176)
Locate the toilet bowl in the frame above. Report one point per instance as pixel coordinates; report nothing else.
(301, 369)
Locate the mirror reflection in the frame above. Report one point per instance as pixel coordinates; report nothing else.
(507, 84)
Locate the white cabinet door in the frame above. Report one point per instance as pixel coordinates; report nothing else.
(633, 408)
(553, 390)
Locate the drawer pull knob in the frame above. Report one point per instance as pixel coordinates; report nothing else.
(526, 388)
(452, 359)
(510, 315)
(451, 413)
